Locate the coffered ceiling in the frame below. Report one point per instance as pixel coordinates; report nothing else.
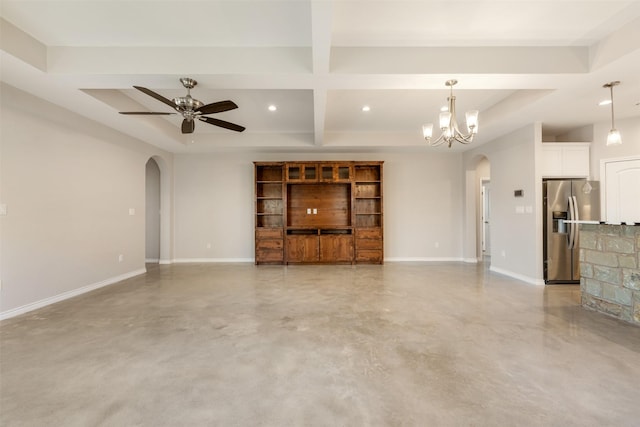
(320, 62)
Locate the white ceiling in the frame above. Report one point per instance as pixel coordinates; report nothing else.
(517, 62)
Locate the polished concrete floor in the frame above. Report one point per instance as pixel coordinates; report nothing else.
(396, 345)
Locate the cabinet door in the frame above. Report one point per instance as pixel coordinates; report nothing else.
(302, 248)
(575, 161)
(301, 172)
(335, 172)
(551, 159)
(336, 248)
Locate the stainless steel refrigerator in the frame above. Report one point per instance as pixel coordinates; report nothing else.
(575, 199)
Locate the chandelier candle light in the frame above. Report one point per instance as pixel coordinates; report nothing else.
(613, 138)
(449, 124)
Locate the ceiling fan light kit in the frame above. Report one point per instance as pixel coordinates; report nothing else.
(613, 137)
(449, 125)
(190, 108)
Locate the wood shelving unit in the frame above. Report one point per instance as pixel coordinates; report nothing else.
(318, 212)
(270, 212)
(368, 213)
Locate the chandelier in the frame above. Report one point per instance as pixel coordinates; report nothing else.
(449, 124)
(613, 138)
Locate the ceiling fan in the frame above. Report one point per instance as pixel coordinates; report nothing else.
(190, 108)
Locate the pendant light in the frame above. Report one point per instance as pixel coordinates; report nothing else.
(613, 138)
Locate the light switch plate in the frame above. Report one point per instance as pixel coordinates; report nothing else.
(132, 211)
(3, 208)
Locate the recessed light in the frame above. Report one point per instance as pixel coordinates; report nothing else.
(604, 102)
(272, 107)
(366, 108)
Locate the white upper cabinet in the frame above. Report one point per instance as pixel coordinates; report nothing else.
(565, 160)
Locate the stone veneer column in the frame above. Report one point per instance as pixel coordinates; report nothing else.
(610, 270)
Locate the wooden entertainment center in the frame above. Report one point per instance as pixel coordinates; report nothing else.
(318, 212)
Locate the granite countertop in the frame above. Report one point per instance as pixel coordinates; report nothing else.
(601, 222)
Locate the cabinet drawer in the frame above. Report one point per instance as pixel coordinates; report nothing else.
(270, 244)
(269, 233)
(369, 255)
(269, 255)
(368, 233)
(368, 244)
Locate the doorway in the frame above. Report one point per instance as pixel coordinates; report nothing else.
(152, 212)
(486, 219)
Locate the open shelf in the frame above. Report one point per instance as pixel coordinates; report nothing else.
(367, 173)
(269, 173)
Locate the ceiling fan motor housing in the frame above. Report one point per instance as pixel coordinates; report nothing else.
(187, 103)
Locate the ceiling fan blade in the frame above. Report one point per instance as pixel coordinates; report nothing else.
(156, 96)
(188, 126)
(217, 107)
(145, 113)
(222, 124)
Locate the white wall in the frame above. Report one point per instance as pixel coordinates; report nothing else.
(513, 235)
(422, 204)
(68, 184)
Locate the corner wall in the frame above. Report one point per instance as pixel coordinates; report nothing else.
(513, 232)
(68, 184)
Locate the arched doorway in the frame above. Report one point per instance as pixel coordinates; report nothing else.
(158, 219)
(152, 212)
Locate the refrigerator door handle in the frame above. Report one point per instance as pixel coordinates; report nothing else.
(570, 235)
(576, 217)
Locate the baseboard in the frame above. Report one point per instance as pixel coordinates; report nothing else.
(209, 260)
(69, 294)
(472, 260)
(165, 261)
(521, 277)
(152, 260)
(427, 259)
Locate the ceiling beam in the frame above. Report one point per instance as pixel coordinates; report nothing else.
(321, 16)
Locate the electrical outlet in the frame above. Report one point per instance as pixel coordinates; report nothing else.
(437, 244)
(308, 211)
(132, 211)
(208, 245)
(120, 258)
(3, 209)
(503, 253)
